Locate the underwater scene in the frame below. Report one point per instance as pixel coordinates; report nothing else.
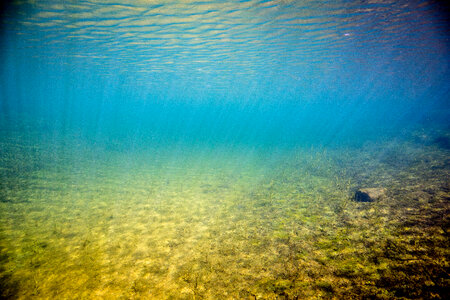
(252, 149)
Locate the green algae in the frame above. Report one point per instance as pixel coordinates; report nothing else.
(123, 226)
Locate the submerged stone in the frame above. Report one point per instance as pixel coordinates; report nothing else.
(442, 142)
(369, 194)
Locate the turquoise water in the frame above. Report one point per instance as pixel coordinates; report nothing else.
(212, 149)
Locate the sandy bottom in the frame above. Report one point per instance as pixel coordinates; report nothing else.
(223, 223)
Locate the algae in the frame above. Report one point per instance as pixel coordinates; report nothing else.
(157, 225)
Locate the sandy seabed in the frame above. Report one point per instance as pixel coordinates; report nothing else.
(218, 223)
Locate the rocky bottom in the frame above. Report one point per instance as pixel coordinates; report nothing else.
(225, 224)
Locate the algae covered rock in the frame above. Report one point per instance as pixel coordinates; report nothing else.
(369, 194)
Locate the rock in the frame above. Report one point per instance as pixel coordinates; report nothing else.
(369, 194)
(442, 142)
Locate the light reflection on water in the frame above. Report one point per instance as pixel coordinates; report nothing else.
(222, 40)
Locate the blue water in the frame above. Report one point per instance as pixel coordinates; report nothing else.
(259, 73)
(211, 149)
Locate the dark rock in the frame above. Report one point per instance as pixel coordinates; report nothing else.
(442, 142)
(369, 194)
